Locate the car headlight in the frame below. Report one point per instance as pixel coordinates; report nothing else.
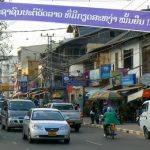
(37, 127)
(63, 128)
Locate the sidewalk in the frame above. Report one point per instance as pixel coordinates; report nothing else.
(131, 128)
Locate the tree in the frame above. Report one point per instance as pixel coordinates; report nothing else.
(5, 46)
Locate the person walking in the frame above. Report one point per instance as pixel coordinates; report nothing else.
(92, 113)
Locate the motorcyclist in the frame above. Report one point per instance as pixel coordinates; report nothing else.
(109, 117)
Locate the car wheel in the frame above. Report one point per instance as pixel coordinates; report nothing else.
(66, 141)
(24, 137)
(29, 138)
(3, 127)
(7, 128)
(77, 129)
(146, 133)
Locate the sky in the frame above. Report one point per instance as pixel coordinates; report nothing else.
(28, 39)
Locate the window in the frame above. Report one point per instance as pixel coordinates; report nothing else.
(116, 61)
(145, 107)
(112, 34)
(128, 59)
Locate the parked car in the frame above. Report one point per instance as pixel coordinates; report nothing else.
(144, 120)
(75, 117)
(47, 124)
(1, 102)
(13, 112)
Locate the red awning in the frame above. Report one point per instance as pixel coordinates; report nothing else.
(146, 93)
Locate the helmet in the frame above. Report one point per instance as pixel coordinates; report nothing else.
(109, 109)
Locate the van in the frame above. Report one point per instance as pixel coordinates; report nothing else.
(13, 112)
(144, 120)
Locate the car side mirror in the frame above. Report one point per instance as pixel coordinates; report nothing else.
(26, 118)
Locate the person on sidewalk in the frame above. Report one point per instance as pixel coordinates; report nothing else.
(92, 113)
(109, 117)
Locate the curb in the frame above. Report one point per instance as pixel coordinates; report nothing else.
(139, 133)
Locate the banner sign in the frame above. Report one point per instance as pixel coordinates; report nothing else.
(74, 81)
(23, 86)
(105, 71)
(94, 74)
(105, 18)
(129, 79)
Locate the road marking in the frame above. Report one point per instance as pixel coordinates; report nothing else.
(15, 143)
(94, 143)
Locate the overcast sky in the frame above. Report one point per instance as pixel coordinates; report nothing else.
(30, 38)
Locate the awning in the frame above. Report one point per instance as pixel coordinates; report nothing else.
(135, 96)
(129, 88)
(146, 93)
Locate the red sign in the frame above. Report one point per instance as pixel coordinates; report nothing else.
(69, 89)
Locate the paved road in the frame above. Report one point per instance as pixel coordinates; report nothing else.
(87, 139)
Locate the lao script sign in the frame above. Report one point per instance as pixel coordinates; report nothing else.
(106, 18)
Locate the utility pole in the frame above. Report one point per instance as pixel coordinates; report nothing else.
(49, 63)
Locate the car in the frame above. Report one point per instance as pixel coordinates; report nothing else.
(75, 117)
(45, 124)
(1, 102)
(13, 112)
(144, 119)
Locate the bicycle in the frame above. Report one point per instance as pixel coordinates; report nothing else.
(111, 128)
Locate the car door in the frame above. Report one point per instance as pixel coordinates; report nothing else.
(148, 117)
(144, 115)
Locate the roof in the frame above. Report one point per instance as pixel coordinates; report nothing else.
(62, 103)
(45, 109)
(27, 100)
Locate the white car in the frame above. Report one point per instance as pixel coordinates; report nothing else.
(145, 119)
(47, 124)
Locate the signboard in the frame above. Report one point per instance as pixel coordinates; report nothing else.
(94, 74)
(4, 87)
(129, 79)
(23, 86)
(74, 81)
(105, 18)
(145, 79)
(116, 77)
(105, 71)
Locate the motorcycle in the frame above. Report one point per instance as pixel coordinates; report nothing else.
(111, 128)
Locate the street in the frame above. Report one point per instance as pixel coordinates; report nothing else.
(88, 138)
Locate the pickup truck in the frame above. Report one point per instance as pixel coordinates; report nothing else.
(75, 118)
(144, 120)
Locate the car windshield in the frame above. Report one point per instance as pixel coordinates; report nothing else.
(21, 105)
(47, 115)
(63, 107)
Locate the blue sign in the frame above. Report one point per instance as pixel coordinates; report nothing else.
(94, 74)
(129, 79)
(23, 86)
(104, 18)
(105, 71)
(74, 81)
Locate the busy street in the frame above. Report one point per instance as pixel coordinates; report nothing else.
(74, 74)
(88, 138)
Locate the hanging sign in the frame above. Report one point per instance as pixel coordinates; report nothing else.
(105, 18)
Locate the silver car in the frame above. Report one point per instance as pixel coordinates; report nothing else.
(47, 124)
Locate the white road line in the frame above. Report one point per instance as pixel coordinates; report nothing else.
(15, 143)
(94, 143)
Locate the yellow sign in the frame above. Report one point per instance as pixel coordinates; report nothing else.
(5, 87)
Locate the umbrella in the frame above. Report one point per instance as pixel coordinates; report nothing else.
(110, 95)
(95, 94)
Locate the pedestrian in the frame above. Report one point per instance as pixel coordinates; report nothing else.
(92, 113)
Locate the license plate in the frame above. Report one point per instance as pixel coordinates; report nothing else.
(52, 134)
